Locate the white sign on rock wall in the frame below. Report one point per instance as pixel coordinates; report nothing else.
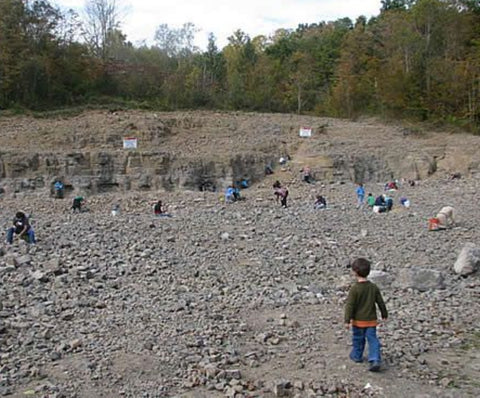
(130, 143)
(305, 132)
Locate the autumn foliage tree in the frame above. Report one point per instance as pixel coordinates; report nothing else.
(416, 59)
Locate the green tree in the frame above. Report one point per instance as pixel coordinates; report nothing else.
(355, 90)
(13, 49)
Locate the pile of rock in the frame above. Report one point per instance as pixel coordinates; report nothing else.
(237, 300)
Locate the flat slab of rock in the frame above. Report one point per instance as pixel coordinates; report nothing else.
(380, 278)
(421, 279)
(468, 260)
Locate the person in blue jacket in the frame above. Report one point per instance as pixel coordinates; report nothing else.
(230, 194)
(59, 189)
(360, 191)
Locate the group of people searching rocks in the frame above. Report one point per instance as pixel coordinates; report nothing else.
(22, 228)
(382, 203)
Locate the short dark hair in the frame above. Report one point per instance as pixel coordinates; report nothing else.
(361, 266)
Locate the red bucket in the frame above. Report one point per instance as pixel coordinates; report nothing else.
(433, 224)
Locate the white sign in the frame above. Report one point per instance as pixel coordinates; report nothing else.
(305, 132)
(129, 143)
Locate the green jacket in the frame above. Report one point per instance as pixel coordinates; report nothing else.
(361, 301)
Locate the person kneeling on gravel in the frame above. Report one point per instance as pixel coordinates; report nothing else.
(59, 188)
(307, 175)
(78, 201)
(230, 194)
(370, 200)
(159, 211)
(380, 206)
(320, 203)
(22, 228)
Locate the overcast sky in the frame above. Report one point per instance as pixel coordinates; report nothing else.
(223, 17)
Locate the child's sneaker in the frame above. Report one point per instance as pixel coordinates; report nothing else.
(374, 366)
(356, 359)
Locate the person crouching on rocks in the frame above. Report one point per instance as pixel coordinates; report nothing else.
(281, 193)
(370, 200)
(59, 189)
(115, 210)
(380, 206)
(307, 174)
(320, 203)
(22, 228)
(159, 210)
(78, 201)
(230, 194)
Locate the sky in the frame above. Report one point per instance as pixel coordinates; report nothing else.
(223, 17)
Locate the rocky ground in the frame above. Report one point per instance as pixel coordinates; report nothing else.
(240, 300)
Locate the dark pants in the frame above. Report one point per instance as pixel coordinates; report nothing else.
(359, 335)
(30, 234)
(284, 201)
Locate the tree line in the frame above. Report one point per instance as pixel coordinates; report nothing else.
(416, 59)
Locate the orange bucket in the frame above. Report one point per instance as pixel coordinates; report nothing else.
(433, 224)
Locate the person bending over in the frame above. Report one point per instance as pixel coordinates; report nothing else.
(21, 228)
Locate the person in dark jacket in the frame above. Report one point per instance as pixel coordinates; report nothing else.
(320, 203)
(78, 201)
(21, 228)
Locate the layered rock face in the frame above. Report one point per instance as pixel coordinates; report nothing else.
(207, 151)
(102, 171)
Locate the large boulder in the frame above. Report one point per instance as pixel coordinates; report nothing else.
(468, 260)
(421, 279)
(381, 278)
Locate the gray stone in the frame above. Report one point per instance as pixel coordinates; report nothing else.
(210, 371)
(7, 269)
(380, 278)
(10, 259)
(39, 276)
(233, 374)
(468, 260)
(23, 260)
(421, 279)
(52, 265)
(283, 388)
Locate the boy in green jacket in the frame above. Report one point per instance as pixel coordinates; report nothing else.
(361, 315)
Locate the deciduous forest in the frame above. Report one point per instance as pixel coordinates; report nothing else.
(418, 60)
